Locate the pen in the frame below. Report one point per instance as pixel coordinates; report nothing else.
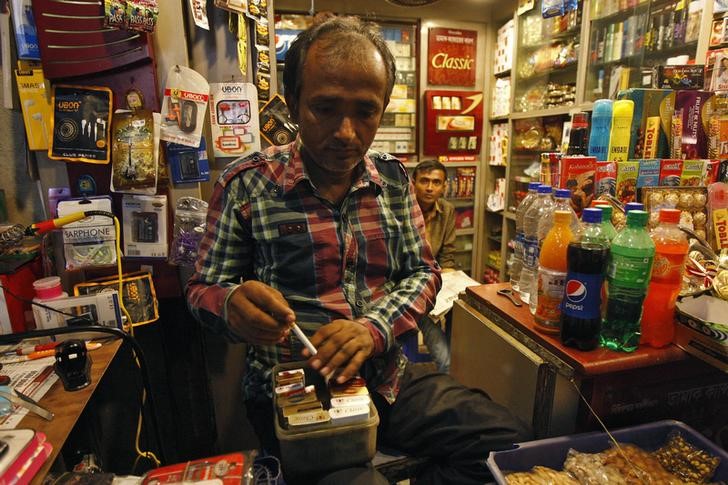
(302, 337)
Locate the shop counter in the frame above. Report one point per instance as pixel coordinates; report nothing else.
(496, 348)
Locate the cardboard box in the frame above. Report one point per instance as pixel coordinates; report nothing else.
(689, 76)
(689, 106)
(702, 329)
(577, 175)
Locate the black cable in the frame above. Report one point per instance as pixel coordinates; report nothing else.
(144, 370)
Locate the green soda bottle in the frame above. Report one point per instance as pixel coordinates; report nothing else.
(628, 275)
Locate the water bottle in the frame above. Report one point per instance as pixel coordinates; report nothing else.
(562, 202)
(531, 243)
(628, 275)
(518, 240)
(601, 129)
(586, 259)
(671, 251)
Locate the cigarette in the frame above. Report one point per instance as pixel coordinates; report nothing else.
(304, 340)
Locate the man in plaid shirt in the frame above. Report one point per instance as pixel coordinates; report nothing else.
(326, 233)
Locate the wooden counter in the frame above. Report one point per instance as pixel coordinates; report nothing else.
(68, 406)
(593, 362)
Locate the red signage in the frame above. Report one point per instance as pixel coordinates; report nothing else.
(453, 122)
(451, 57)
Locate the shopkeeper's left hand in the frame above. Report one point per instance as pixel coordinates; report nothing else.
(342, 345)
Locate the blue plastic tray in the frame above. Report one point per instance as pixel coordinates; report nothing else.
(551, 452)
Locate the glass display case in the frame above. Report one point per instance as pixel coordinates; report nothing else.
(546, 59)
(398, 131)
(628, 38)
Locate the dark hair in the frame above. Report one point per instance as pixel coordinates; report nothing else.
(351, 27)
(426, 166)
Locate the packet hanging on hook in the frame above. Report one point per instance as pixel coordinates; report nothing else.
(115, 14)
(184, 105)
(80, 123)
(90, 241)
(238, 6)
(133, 164)
(234, 119)
(199, 13)
(141, 15)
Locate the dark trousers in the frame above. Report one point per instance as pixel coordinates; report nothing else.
(434, 416)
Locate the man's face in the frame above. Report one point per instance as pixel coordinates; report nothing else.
(429, 186)
(340, 106)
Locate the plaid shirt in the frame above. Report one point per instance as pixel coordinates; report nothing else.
(364, 260)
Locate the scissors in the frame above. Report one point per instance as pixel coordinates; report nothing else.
(508, 293)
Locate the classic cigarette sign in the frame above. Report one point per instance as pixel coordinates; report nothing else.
(451, 57)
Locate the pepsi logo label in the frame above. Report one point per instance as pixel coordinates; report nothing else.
(576, 292)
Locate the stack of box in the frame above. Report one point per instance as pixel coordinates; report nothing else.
(504, 48)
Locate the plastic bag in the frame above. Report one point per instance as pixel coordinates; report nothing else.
(189, 227)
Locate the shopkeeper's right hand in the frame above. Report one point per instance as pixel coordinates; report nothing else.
(259, 314)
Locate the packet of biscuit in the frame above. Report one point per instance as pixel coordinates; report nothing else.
(627, 173)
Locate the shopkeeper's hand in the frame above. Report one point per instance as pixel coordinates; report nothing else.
(342, 346)
(259, 314)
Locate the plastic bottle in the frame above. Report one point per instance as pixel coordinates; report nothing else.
(518, 242)
(622, 113)
(539, 206)
(586, 259)
(46, 289)
(552, 273)
(633, 206)
(562, 198)
(628, 274)
(671, 251)
(601, 129)
(579, 134)
(607, 227)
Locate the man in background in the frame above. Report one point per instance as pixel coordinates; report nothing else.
(430, 180)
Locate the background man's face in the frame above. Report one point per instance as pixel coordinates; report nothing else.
(429, 186)
(340, 106)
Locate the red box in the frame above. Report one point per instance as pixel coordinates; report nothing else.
(670, 172)
(577, 175)
(18, 276)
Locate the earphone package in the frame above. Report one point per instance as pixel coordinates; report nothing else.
(35, 104)
(91, 241)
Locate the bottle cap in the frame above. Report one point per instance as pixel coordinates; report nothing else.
(671, 216)
(592, 214)
(637, 218)
(579, 120)
(48, 288)
(623, 108)
(602, 107)
(544, 189)
(563, 193)
(607, 211)
(562, 217)
(634, 206)
(533, 186)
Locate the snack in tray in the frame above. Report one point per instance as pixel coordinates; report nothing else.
(590, 468)
(686, 461)
(540, 475)
(637, 466)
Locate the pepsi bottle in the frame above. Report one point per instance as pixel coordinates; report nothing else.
(586, 260)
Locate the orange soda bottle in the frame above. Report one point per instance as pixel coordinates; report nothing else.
(552, 273)
(671, 250)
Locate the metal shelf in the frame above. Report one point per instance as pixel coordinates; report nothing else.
(541, 113)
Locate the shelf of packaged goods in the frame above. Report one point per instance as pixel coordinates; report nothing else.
(468, 231)
(566, 35)
(688, 47)
(497, 239)
(620, 15)
(555, 71)
(541, 113)
(510, 215)
(505, 73)
(632, 60)
(498, 212)
(498, 118)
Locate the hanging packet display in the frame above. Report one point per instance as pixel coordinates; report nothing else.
(234, 119)
(190, 215)
(199, 13)
(276, 125)
(90, 241)
(80, 123)
(133, 165)
(36, 106)
(26, 35)
(237, 6)
(184, 106)
(188, 164)
(145, 226)
(115, 14)
(141, 15)
(138, 294)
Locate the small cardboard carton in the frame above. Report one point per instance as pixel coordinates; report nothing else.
(702, 329)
